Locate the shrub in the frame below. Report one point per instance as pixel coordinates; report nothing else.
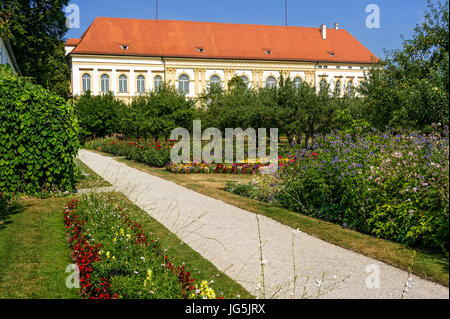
(157, 114)
(117, 259)
(98, 115)
(38, 138)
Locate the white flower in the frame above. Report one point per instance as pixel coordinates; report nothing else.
(143, 258)
(297, 232)
(238, 296)
(136, 272)
(318, 282)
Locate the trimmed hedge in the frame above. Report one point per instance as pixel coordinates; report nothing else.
(38, 138)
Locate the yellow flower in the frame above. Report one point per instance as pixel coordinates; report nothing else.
(108, 254)
(148, 280)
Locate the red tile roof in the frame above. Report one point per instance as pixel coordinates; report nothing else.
(167, 38)
(72, 42)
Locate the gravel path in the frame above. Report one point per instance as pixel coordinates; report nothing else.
(228, 236)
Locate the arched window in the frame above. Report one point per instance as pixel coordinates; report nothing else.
(157, 82)
(140, 84)
(245, 79)
(350, 88)
(338, 87)
(214, 80)
(297, 82)
(323, 84)
(271, 83)
(123, 84)
(183, 84)
(104, 83)
(86, 79)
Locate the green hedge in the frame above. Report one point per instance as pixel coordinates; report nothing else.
(38, 138)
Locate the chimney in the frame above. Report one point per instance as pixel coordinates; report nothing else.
(336, 26)
(323, 30)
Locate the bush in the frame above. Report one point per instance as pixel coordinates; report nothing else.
(99, 115)
(155, 115)
(38, 138)
(116, 259)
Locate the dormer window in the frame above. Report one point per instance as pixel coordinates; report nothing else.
(331, 53)
(268, 51)
(200, 49)
(124, 47)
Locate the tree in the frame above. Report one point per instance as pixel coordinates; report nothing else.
(35, 30)
(410, 89)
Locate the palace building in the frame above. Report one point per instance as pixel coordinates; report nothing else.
(132, 56)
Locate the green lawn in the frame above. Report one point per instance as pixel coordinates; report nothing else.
(34, 251)
(429, 265)
(88, 178)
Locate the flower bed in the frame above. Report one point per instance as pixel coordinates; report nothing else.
(116, 259)
(245, 167)
(391, 185)
(151, 152)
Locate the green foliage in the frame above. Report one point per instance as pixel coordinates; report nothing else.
(153, 115)
(99, 116)
(35, 31)
(38, 138)
(156, 114)
(410, 89)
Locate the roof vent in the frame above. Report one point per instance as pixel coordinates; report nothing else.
(268, 51)
(323, 31)
(336, 26)
(200, 49)
(331, 53)
(124, 47)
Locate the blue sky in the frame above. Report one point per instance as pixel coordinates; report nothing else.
(397, 17)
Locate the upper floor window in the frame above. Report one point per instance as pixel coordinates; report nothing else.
(338, 87)
(158, 82)
(104, 83)
(297, 82)
(183, 84)
(271, 83)
(123, 84)
(214, 80)
(86, 82)
(323, 84)
(140, 84)
(350, 88)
